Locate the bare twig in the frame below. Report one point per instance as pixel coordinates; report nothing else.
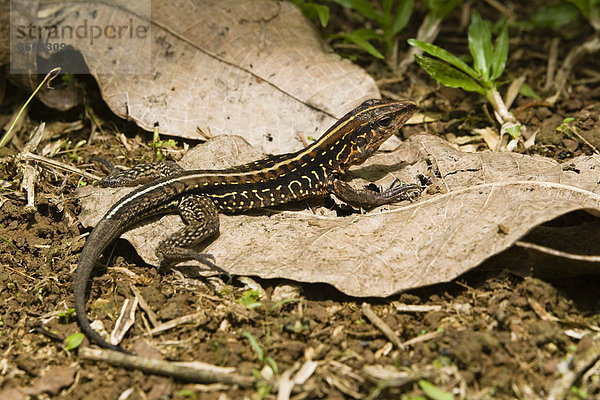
(552, 62)
(591, 45)
(204, 373)
(198, 317)
(557, 253)
(382, 326)
(59, 165)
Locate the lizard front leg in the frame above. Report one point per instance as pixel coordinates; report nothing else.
(202, 219)
(140, 174)
(365, 198)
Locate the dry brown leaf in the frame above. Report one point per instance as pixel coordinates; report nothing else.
(256, 68)
(487, 202)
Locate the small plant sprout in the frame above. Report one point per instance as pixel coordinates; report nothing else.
(260, 353)
(73, 341)
(47, 79)
(391, 18)
(65, 316)
(250, 299)
(157, 143)
(489, 62)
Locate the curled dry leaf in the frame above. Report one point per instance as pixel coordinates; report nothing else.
(487, 201)
(217, 67)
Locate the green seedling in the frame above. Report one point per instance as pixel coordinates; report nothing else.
(581, 393)
(47, 79)
(489, 62)
(190, 394)
(433, 392)
(391, 18)
(157, 144)
(250, 299)
(312, 10)
(73, 341)
(65, 316)
(69, 150)
(260, 353)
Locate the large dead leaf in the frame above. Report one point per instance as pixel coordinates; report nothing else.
(487, 202)
(255, 68)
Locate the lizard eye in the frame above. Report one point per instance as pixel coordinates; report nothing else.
(385, 122)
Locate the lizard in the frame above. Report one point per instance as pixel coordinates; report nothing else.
(200, 195)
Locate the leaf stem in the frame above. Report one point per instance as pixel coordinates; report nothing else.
(48, 78)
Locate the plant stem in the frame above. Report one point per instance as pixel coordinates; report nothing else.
(49, 76)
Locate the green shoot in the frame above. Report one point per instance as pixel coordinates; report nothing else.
(260, 353)
(581, 393)
(391, 18)
(564, 126)
(489, 62)
(48, 78)
(65, 316)
(73, 341)
(250, 299)
(313, 10)
(433, 392)
(187, 393)
(157, 143)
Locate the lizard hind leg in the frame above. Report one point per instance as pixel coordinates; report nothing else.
(202, 221)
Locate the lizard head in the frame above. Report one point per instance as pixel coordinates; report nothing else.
(365, 128)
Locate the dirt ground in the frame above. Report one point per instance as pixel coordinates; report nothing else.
(498, 332)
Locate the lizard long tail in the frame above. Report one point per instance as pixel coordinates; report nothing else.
(104, 234)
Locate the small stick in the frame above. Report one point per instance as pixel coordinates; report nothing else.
(382, 326)
(552, 62)
(199, 374)
(557, 253)
(57, 164)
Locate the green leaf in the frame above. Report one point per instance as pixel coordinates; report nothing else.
(447, 75)
(500, 54)
(433, 392)
(74, 340)
(527, 91)
(403, 13)
(363, 7)
(359, 38)
(441, 8)
(554, 16)
(584, 6)
(250, 299)
(443, 55)
(260, 354)
(322, 12)
(514, 130)
(480, 45)
(387, 6)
